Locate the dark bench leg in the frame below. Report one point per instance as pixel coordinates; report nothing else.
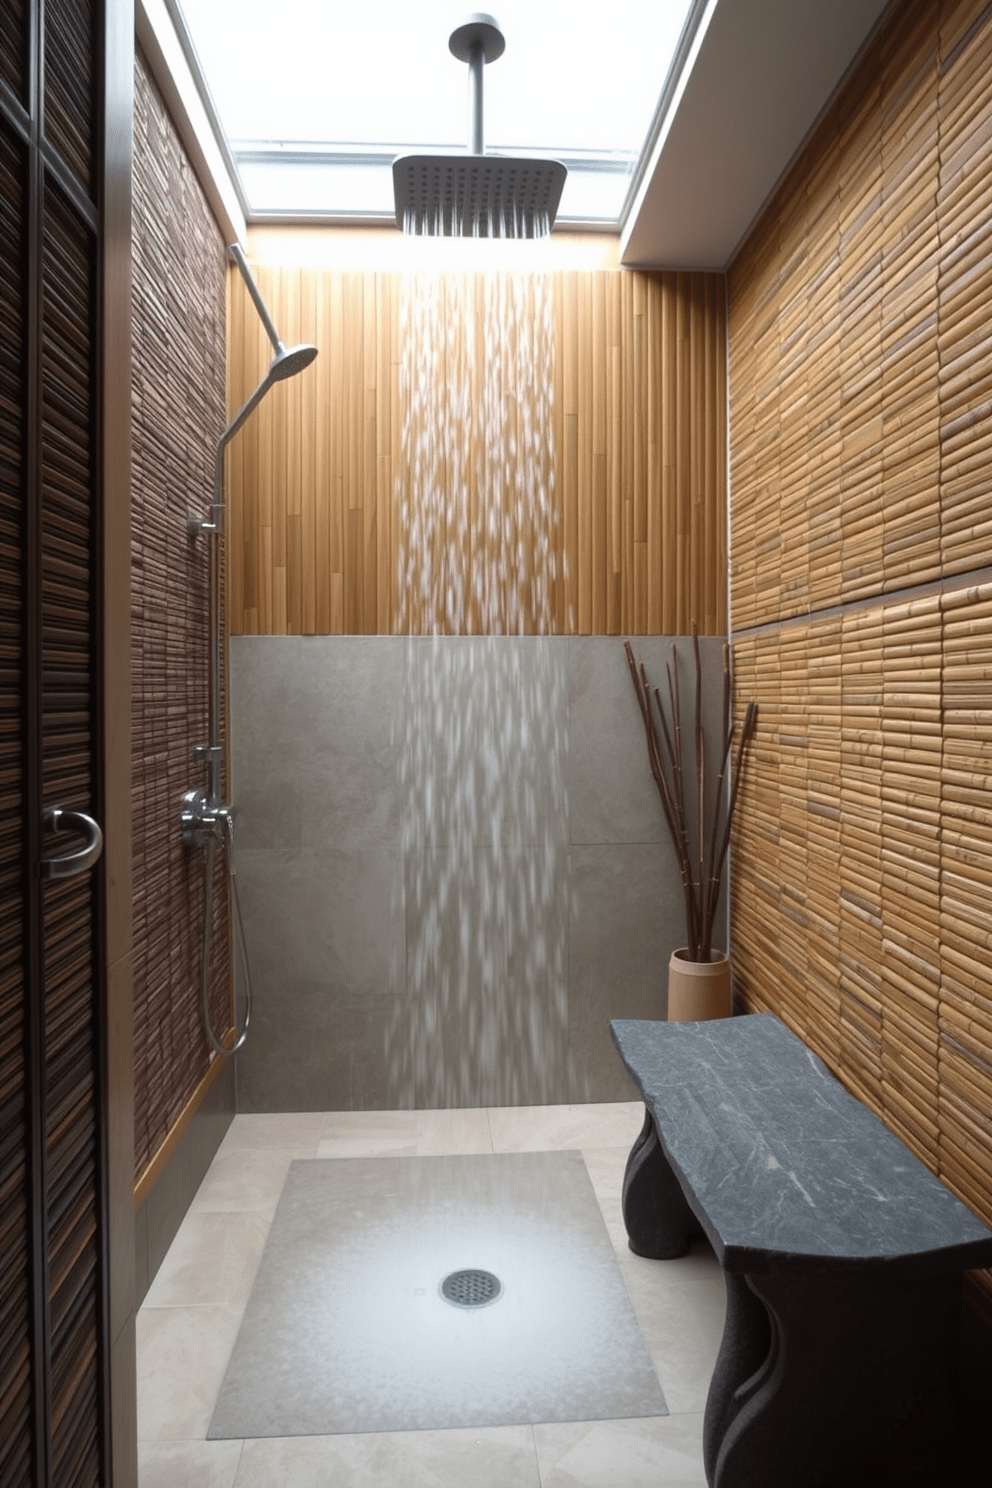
(823, 1381)
(659, 1222)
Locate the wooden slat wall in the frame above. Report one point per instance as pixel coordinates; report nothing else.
(15, 1131)
(68, 766)
(54, 1241)
(861, 487)
(639, 452)
(177, 403)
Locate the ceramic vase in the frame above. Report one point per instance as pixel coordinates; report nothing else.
(698, 990)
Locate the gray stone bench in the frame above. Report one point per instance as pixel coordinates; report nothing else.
(842, 1257)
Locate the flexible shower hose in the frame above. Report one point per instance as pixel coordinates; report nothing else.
(208, 907)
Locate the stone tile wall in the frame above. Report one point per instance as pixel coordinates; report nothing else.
(453, 867)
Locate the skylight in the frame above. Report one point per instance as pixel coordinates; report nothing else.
(316, 97)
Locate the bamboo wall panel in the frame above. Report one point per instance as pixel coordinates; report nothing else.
(965, 1009)
(319, 479)
(860, 451)
(178, 387)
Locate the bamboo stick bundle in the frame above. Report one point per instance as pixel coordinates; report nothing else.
(674, 756)
(963, 933)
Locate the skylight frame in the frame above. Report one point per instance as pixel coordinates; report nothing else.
(581, 164)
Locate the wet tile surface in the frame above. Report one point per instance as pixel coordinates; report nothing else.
(345, 1330)
(184, 1344)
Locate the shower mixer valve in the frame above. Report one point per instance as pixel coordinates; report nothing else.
(202, 819)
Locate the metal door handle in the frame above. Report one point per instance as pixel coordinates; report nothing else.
(67, 865)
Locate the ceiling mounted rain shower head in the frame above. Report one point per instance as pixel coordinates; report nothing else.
(476, 195)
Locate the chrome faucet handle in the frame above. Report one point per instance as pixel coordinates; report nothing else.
(196, 523)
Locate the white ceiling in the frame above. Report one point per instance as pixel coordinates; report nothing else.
(763, 73)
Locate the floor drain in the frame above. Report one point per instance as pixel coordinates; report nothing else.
(471, 1288)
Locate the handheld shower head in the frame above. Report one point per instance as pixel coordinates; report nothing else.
(286, 362)
(289, 361)
(477, 195)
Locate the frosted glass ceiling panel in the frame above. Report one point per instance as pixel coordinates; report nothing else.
(373, 78)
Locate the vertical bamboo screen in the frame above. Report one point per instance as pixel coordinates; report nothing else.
(861, 424)
(178, 308)
(316, 478)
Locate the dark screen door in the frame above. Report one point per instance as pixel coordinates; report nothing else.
(53, 1332)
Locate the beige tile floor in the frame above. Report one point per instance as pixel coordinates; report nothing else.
(191, 1316)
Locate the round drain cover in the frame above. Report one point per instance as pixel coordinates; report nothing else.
(471, 1288)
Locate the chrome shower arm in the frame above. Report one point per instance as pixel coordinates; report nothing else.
(476, 67)
(477, 42)
(237, 253)
(215, 521)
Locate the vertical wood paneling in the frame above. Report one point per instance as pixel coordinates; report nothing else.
(177, 403)
(316, 483)
(860, 446)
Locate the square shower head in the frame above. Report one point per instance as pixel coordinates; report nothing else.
(484, 196)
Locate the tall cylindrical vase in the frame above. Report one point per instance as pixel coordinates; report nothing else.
(698, 990)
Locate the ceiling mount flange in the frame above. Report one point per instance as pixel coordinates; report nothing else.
(478, 31)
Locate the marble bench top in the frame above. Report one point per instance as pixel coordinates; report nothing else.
(785, 1170)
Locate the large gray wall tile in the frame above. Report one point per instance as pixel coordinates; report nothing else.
(486, 742)
(317, 729)
(420, 932)
(626, 920)
(486, 1011)
(327, 916)
(316, 1047)
(326, 942)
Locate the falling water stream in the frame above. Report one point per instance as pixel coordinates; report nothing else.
(485, 832)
